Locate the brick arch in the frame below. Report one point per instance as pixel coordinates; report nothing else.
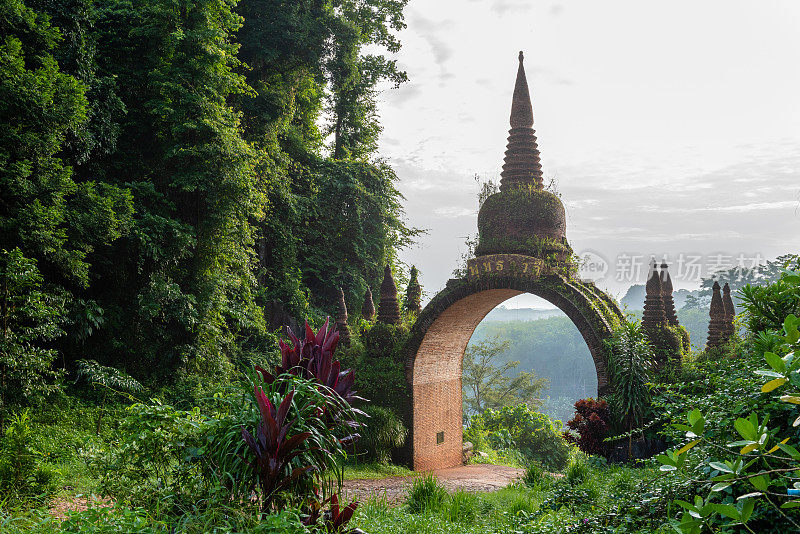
(439, 338)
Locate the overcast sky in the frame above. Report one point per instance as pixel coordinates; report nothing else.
(670, 127)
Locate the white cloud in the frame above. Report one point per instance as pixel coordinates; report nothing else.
(454, 212)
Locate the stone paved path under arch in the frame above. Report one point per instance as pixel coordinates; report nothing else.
(475, 477)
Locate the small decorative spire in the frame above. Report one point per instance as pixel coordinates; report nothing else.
(522, 165)
(716, 324)
(388, 307)
(368, 307)
(413, 292)
(666, 295)
(653, 316)
(729, 310)
(341, 321)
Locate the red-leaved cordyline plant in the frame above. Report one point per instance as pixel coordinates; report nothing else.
(311, 360)
(272, 449)
(336, 518)
(591, 422)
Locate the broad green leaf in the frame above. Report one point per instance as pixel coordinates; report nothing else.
(667, 468)
(791, 504)
(791, 451)
(666, 460)
(775, 361)
(772, 384)
(728, 510)
(721, 486)
(760, 482)
(720, 467)
(695, 416)
(747, 509)
(791, 399)
(745, 428)
(748, 495)
(688, 446)
(771, 374)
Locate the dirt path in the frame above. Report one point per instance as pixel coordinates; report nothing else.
(475, 477)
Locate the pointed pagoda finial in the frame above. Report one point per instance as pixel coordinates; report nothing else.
(413, 292)
(522, 164)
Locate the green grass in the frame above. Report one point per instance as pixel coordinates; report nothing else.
(375, 470)
(592, 498)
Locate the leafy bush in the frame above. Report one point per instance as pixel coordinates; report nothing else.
(29, 319)
(302, 438)
(591, 422)
(154, 458)
(22, 476)
(379, 361)
(532, 433)
(741, 452)
(381, 433)
(426, 495)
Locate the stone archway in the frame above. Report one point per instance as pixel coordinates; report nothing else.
(440, 335)
(522, 248)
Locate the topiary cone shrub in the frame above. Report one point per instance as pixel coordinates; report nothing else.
(413, 292)
(591, 424)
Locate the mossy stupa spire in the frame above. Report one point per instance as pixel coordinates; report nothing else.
(522, 165)
(523, 218)
(716, 324)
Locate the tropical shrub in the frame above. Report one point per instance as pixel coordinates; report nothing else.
(381, 433)
(591, 423)
(29, 319)
(533, 434)
(22, 475)
(154, 458)
(744, 464)
(301, 438)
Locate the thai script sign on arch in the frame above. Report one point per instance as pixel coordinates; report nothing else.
(505, 265)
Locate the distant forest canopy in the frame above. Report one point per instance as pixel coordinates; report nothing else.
(176, 174)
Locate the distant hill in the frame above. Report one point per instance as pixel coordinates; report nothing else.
(502, 314)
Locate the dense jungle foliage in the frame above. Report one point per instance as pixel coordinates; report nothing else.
(178, 178)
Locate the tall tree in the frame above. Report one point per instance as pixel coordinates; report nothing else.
(187, 264)
(488, 382)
